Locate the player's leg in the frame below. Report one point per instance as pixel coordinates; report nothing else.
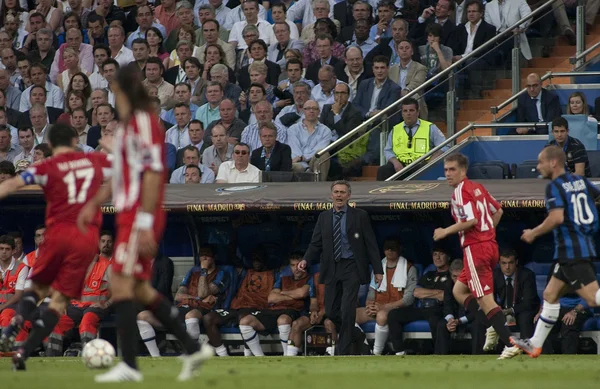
(284, 325)
(88, 327)
(212, 321)
(361, 316)
(381, 332)
(146, 323)
(249, 325)
(299, 325)
(192, 323)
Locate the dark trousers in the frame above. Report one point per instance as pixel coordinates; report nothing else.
(397, 319)
(433, 315)
(341, 295)
(385, 171)
(569, 334)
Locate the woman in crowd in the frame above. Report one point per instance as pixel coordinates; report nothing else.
(214, 54)
(71, 62)
(186, 33)
(155, 41)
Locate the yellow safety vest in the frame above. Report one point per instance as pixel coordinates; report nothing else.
(418, 147)
(354, 150)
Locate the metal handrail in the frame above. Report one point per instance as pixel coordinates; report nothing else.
(494, 110)
(390, 110)
(469, 127)
(583, 54)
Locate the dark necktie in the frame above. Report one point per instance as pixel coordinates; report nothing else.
(337, 235)
(537, 115)
(510, 292)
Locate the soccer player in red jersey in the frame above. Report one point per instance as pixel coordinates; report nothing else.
(138, 191)
(477, 214)
(69, 179)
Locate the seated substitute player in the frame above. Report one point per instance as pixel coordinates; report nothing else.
(90, 309)
(315, 317)
(392, 302)
(68, 179)
(286, 301)
(573, 217)
(38, 238)
(12, 280)
(202, 289)
(252, 295)
(476, 214)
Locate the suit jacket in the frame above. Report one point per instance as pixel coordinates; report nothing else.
(312, 71)
(389, 94)
(513, 11)
(346, 34)
(415, 76)
(25, 121)
(418, 33)
(342, 12)
(281, 158)
(451, 306)
(360, 237)
(484, 33)
(383, 48)
(273, 72)
(12, 116)
(340, 73)
(527, 111)
(525, 290)
(351, 118)
(170, 75)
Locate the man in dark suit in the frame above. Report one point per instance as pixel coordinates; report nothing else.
(24, 119)
(325, 49)
(515, 291)
(439, 14)
(537, 105)
(344, 241)
(273, 156)
(341, 116)
(388, 94)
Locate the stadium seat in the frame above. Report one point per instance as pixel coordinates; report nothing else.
(417, 326)
(287, 177)
(527, 169)
(594, 159)
(490, 170)
(540, 269)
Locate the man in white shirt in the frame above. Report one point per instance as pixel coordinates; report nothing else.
(239, 170)
(145, 19)
(118, 51)
(302, 9)
(101, 54)
(265, 30)
(26, 143)
(54, 96)
(178, 135)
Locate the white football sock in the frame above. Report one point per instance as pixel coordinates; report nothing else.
(251, 338)
(548, 318)
(247, 352)
(381, 335)
(192, 327)
(148, 337)
(292, 351)
(222, 351)
(284, 335)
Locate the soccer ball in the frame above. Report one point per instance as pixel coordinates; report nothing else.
(98, 354)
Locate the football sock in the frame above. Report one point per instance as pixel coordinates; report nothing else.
(41, 329)
(292, 351)
(471, 305)
(497, 320)
(28, 304)
(193, 328)
(381, 335)
(251, 338)
(548, 318)
(284, 335)
(247, 352)
(168, 315)
(148, 337)
(126, 324)
(222, 351)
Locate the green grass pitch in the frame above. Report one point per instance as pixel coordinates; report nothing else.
(411, 372)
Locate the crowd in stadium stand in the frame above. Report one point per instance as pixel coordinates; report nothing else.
(256, 86)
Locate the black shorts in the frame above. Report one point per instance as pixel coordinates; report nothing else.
(576, 273)
(232, 316)
(184, 309)
(269, 318)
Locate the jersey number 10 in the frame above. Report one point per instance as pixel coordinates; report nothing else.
(582, 214)
(87, 175)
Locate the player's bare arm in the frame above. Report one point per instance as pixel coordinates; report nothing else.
(10, 186)
(203, 290)
(298, 293)
(182, 295)
(442, 233)
(554, 219)
(276, 296)
(424, 293)
(145, 218)
(89, 210)
(497, 216)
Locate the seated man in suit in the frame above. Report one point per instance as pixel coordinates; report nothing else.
(386, 90)
(440, 15)
(353, 71)
(409, 74)
(272, 155)
(537, 105)
(38, 96)
(515, 291)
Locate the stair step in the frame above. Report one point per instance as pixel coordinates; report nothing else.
(479, 104)
(502, 94)
(481, 116)
(549, 62)
(364, 178)
(369, 171)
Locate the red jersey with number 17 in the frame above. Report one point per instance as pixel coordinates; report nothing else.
(138, 148)
(69, 181)
(471, 200)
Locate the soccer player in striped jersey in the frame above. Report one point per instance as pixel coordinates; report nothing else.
(573, 218)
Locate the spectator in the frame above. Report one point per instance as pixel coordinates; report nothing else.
(284, 92)
(98, 96)
(39, 122)
(218, 8)
(409, 74)
(321, 10)
(538, 105)
(44, 53)
(349, 12)
(323, 92)
(210, 31)
(105, 113)
(430, 289)
(220, 151)
(166, 14)
(97, 32)
(85, 54)
(7, 170)
(264, 114)
(9, 61)
(307, 137)
(303, 10)
(13, 131)
(250, 9)
(324, 56)
(154, 76)
(233, 125)
(292, 113)
(71, 20)
(141, 53)
(258, 52)
(504, 13)
(287, 299)
(101, 54)
(387, 46)
(12, 115)
(197, 84)
(8, 152)
(178, 135)
(361, 38)
(272, 155)
(18, 253)
(107, 135)
(183, 94)
(79, 123)
(109, 12)
(196, 131)
(239, 170)
(515, 291)
(191, 156)
(209, 112)
(184, 48)
(116, 43)
(192, 174)
(144, 19)
(36, 23)
(250, 34)
(383, 29)
(577, 160)
(455, 316)
(437, 15)
(379, 92)
(409, 140)
(14, 274)
(37, 95)
(206, 13)
(109, 72)
(51, 14)
(71, 67)
(214, 56)
(38, 76)
(578, 106)
(155, 40)
(286, 34)
(23, 82)
(12, 95)
(26, 144)
(256, 94)
(40, 152)
(394, 292)
(434, 55)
